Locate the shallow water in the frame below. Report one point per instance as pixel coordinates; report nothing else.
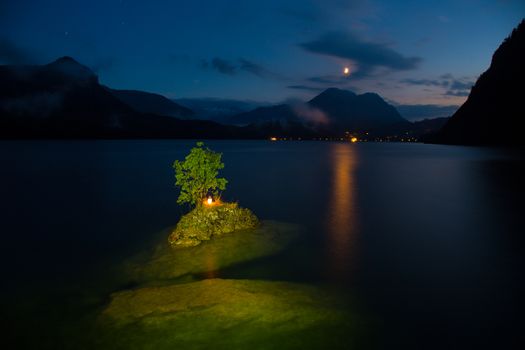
(422, 242)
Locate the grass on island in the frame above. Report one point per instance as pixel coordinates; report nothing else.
(210, 220)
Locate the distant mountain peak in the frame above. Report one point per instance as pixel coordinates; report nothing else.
(66, 59)
(68, 66)
(371, 94)
(333, 91)
(350, 111)
(338, 109)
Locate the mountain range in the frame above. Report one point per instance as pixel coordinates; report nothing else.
(330, 113)
(218, 109)
(64, 99)
(147, 102)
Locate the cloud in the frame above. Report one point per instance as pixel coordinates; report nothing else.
(223, 66)
(461, 85)
(457, 93)
(426, 82)
(10, 53)
(254, 68)
(231, 68)
(368, 55)
(458, 87)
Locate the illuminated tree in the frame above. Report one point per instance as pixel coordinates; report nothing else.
(197, 175)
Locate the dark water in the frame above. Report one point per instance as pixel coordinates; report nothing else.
(428, 239)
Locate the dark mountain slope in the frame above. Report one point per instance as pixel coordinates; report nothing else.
(277, 113)
(146, 102)
(495, 109)
(63, 99)
(347, 110)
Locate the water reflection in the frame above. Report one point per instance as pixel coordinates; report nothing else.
(341, 215)
(211, 265)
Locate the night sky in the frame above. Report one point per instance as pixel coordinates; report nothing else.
(410, 52)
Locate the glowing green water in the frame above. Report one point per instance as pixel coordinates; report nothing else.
(166, 263)
(170, 298)
(226, 314)
(177, 303)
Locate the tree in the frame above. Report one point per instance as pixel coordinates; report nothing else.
(197, 175)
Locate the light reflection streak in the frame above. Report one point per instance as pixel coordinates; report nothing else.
(342, 219)
(211, 266)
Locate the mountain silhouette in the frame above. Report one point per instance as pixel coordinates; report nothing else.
(494, 111)
(281, 113)
(350, 111)
(331, 113)
(147, 102)
(64, 99)
(218, 109)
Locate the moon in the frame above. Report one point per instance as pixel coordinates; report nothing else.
(346, 71)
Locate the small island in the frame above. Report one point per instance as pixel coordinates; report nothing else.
(201, 188)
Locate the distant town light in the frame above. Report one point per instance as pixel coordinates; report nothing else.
(354, 139)
(273, 138)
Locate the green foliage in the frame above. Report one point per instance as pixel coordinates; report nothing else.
(197, 175)
(204, 222)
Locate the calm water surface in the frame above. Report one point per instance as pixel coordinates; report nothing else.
(427, 239)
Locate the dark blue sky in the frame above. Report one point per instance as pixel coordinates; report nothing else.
(415, 52)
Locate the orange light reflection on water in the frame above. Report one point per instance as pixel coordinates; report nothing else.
(211, 266)
(342, 219)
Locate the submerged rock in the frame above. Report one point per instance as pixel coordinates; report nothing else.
(205, 222)
(167, 262)
(228, 314)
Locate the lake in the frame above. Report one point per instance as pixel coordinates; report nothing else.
(423, 242)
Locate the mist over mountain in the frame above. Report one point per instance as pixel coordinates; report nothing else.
(494, 111)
